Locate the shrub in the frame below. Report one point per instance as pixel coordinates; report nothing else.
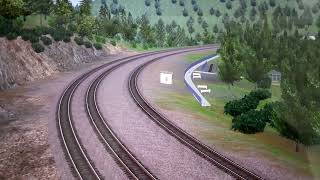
(249, 123)
(159, 12)
(185, 12)
(145, 46)
(79, 41)
(181, 2)
(147, 2)
(134, 45)
(113, 42)
(238, 107)
(260, 94)
(174, 1)
(88, 44)
(98, 46)
(37, 47)
(269, 113)
(12, 36)
(46, 40)
(66, 39)
(265, 83)
(100, 39)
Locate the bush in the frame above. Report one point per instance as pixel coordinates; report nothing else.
(98, 46)
(238, 107)
(46, 40)
(269, 113)
(265, 83)
(113, 42)
(88, 44)
(249, 123)
(79, 41)
(12, 36)
(145, 46)
(66, 39)
(37, 47)
(134, 45)
(261, 94)
(100, 39)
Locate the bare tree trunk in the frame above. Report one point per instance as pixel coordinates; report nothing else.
(41, 20)
(297, 146)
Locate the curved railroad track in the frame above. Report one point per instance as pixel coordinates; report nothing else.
(79, 161)
(194, 144)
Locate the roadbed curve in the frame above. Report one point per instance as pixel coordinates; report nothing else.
(152, 90)
(161, 153)
(54, 88)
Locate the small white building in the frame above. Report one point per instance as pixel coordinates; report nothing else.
(275, 76)
(166, 77)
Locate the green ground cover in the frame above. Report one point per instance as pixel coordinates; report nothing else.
(217, 126)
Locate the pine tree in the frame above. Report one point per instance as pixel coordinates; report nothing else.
(160, 33)
(85, 7)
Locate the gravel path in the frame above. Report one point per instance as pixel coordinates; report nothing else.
(166, 157)
(29, 144)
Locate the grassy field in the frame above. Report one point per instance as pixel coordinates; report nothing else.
(174, 11)
(217, 126)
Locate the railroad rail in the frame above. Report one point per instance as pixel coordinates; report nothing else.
(185, 138)
(79, 161)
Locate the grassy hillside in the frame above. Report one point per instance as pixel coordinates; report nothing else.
(172, 11)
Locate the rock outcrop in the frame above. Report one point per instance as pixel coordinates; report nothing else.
(20, 64)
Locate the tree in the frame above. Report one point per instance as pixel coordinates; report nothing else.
(147, 2)
(181, 2)
(43, 7)
(160, 33)
(185, 12)
(195, 8)
(146, 33)
(253, 3)
(159, 11)
(85, 7)
(257, 52)
(85, 26)
(306, 17)
(318, 22)
(229, 5)
(63, 12)
(230, 66)
(11, 9)
(212, 12)
(200, 12)
(204, 25)
(215, 29)
(272, 3)
(193, 2)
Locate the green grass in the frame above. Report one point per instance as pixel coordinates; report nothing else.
(195, 57)
(217, 126)
(34, 21)
(174, 11)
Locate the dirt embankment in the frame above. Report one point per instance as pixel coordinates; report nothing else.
(20, 64)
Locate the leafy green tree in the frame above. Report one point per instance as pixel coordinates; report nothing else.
(272, 3)
(257, 52)
(86, 26)
(85, 7)
(63, 13)
(11, 9)
(230, 66)
(212, 11)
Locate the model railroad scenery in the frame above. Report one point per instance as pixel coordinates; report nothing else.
(160, 89)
